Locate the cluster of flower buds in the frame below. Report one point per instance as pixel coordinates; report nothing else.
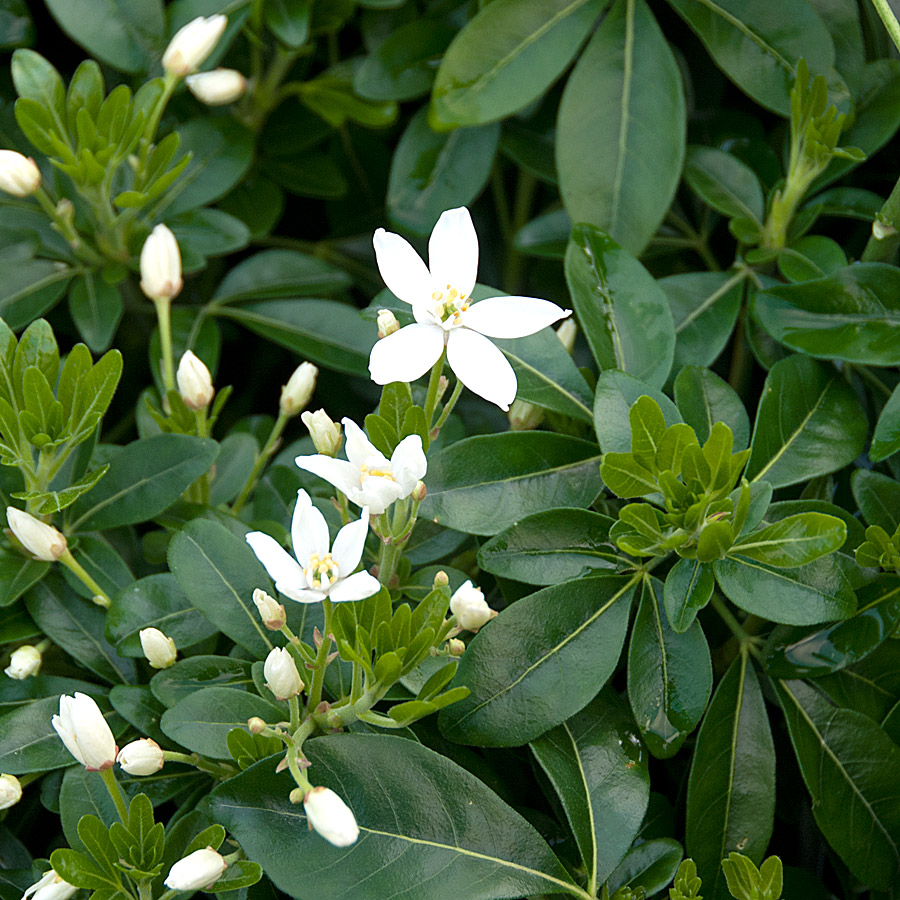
(282, 677)
(326, 435)
(194, 382)
(158, 648)
(24, 662)
(19, 175)
(470, 608)
(297, 393)
(83, 729)
(10, 791)
(41, 540)
(161, 265)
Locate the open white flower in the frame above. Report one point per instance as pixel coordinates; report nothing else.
(317, 572)
(50, 887)
(367, 476)
(445, 316)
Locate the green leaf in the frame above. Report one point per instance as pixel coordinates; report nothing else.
(809, 422)
(188, 675)
(623, 109)
(794, 541)
(288, 20)
(16, 27)
(723, 182)
(96, 308)
(650, 865)
(731, 789)
(507, 56)
(886, 439)
(84, 794)
(461, 841)
(688, 588)
(598, 768)
(569, 633)
(704, 399)
(878, 498)
(29, 288)
(17, 575)
(626, 477)
(37, 79)
(48, 502)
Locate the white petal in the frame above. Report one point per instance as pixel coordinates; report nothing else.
(408, 463)
(280, 565)
(512, 317)
(453, 251)
(406, 354)
(309, 530)
(401, 267)
(67, 735)
(481, 367)
(378, 493)
(360, 450)
(301, 595)
(343, 475)
(356, 587)
(349, 543)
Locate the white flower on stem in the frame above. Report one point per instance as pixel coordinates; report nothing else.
(192, 43)
(159, 649)
(470, 608)
(367, 477)
(50, 887)
(198, 870)
(85, 733)
(19, 175)
(161, 265)
(194, 382)
(297, 393)
(330, 817)
(445, 315)
(317, 572)
(10, 791)
(38, 538)
(217, 88)
(24, 662)
(326, 435)
(282, 677)
(141, 757)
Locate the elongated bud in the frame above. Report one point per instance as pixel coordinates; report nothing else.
(270, 610)
(194, 382)
(159, 649)
(198, 870)
(282, 677)
(567, 332)
(524, 416)
(161, 265)
(217, 88)
(256, 725)
(326, 435)
(50, 887)
(84, 731)
(10, 791)
(330, 817)
(19, 175)
(297, 393)
(456, 647)
(387, 323)
(38, 538)
(141, 757)
(470, 607)
(25, 662)
(192, 43)
(441, 579)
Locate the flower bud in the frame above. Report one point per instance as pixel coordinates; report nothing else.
(50, 887)
(882, 230)
(194, 382)
(38, 538)
(192, 43)
(19, 175)
(270, 610)
(419, 492)
(387, 323)
(441, 579)
(297, 393)
(84, 731)
(456, 647)
(218, 87)
(524, 416)
(159, 649)
(326, 435)
(256, 725)
(282, 677)
(24, 662)
(470, 607)
(141, 757)
(161, 265)
(200, 869)
(567, 333)
(10, 791)
(296, 795)
(330, 817)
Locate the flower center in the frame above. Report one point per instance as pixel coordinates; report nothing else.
(449, 305)
(321, 572)
(364, 470)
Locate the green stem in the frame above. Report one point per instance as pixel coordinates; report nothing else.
(169, 84)
(387, 565)
(294, 705)
(318, 680)
(448, 408)
(883, 8)
(884, 249)
(167, 361)
(198, 762)
(267, 451)
(109, 779)
(75, 567)
(526, 187)
(67, 229)
(433, 381)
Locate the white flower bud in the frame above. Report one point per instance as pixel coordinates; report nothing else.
(524, 416)
(10, 791)
(282, 677)
(141, 757)
(441, 579)
(38, 538)
(194, 382)
(470, 607)
(161, 265)
(200, 869)
(256, 725)
(19, 175)
(84, 731)
(419, 492)
(456, 647)
(24, 662)
(218, 87)
(387, 323)
(326, 435)
(159, 649)
(330, 817)
(270, 610)
(192, 43)
(567, 332)
(297, 393)
(50, 887)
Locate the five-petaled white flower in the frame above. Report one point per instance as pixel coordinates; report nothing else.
(446, 316)
(317, 573)
(367, 477)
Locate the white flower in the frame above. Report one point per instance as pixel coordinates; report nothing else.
(161, 265)
(317, 573)
(297, 393)
(330, 817)
(85, 733)
(19, 175)
(446, 316)
(158, 648)
(470, 607)
(50, 887)
(24, 662)
(198, 870)
(218, 87)
(194, 382)
(38, 538)
(270, 610)
(10, 791)
(192, 43)
(367, 477)
(282, 677)
(326, 435)
(141, 757)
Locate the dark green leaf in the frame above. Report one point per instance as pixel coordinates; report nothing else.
(704, 399)
(688, 588)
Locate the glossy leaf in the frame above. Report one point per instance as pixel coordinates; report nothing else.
(886, 439)
(196, 672)
(704, 399)
(878, 498)
(650, 865)
(96, 309)
(794, 541)
(723, 182)
(688, 588)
